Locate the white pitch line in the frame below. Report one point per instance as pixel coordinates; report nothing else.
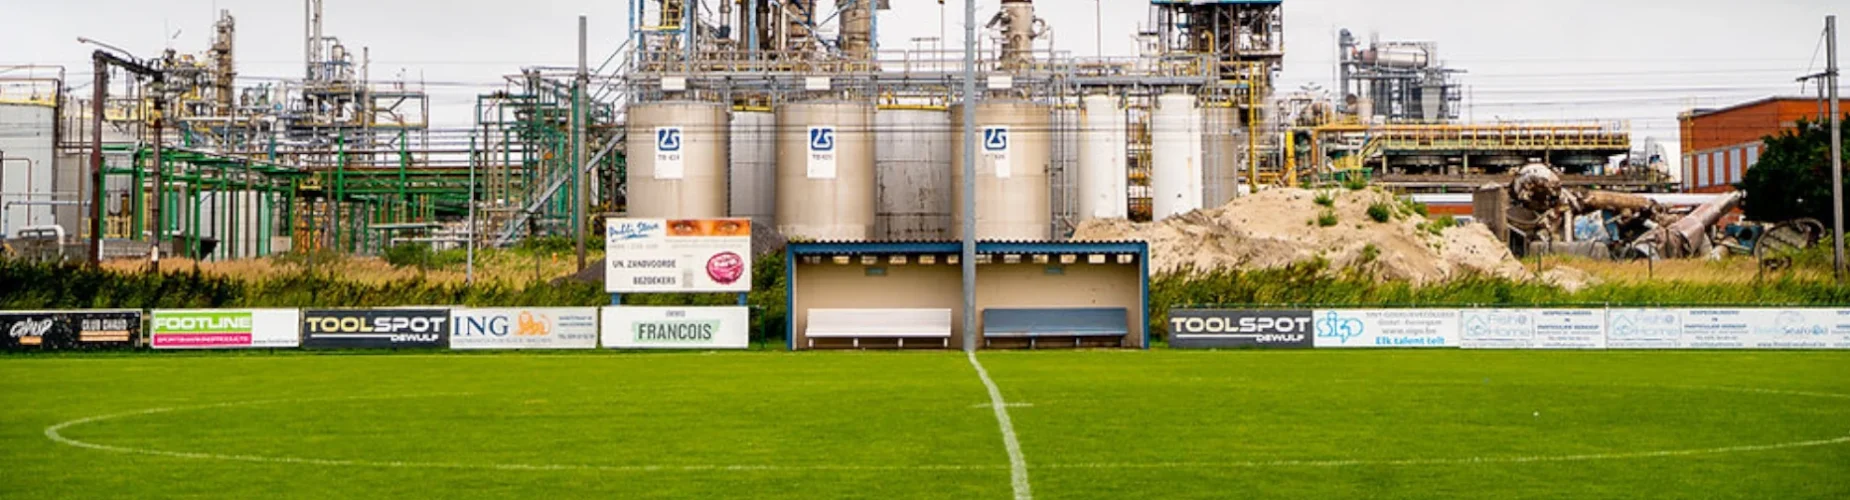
(1454, 461)
(1018, 466)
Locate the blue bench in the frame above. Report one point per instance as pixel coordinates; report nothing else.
(1034, 324)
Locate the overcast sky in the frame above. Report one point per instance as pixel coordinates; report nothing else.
(1637, 60)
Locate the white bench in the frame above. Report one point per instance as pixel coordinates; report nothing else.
(899, 324)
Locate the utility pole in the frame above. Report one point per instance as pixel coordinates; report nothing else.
(578, 142)
(969, 187)
(1837, 147)
(1098, 27)
(99, 91)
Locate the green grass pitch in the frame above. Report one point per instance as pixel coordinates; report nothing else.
(1091, 424)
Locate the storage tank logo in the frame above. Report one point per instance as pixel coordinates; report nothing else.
(822, 139)
(668, 139)
(996, 139)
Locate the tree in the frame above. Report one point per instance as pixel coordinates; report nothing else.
(1792, 180)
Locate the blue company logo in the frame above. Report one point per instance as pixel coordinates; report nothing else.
(1623, 325)
(995, 139)
(668, 139)
(1338, 327)
(631, 230)
(473, 326)
(822, 139)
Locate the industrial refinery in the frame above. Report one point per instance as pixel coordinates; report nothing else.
(787, 112)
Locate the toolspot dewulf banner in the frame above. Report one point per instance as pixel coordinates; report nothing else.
(536, 328)
(1232, 328)
(1533, 329)
(69, 330)
(225, 329)
(678, 256)
(376, 328)
(1386, 327)
(629, 327)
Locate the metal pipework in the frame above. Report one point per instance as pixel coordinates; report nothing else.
(1019, 29)
(857, 30)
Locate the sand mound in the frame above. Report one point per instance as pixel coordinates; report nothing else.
(1278, 227)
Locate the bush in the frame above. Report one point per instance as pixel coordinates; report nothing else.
(1380, 212)
(1327, 218)
(1325, 199)
(548, 245)
(408, 255)
(1356, 181)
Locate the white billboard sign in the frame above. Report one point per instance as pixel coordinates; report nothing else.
(1644, 329)
(678, 256)
(631, 327)
(1497, 329)
(670, 157)
(822, 152)
(534, 328)
(1386, 327)
(225, 328)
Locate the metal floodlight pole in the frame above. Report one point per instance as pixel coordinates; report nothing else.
(469, 264)
(969, 187)
(100, 84)
(1837, 146)
(578, 140)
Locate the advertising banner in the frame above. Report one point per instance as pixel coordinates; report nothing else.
(1764, 329)
(1533, 329)
(678, 256)
(1644, 329)
(1228, 328)
(1836, 323)
(1497, 329)
(69, 330)
(376, 328)
(536, 328)
(628, 327)
(1386, 327)
(225, 329)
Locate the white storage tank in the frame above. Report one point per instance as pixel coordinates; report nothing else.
(677, 159)
(1013, 151)
(27, 173)
(825, 171)
(753, 176)
(1175, 157)
(1223, 154)
(912, 173)
(1102, 166)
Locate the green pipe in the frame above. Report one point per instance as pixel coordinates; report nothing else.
(136, 210)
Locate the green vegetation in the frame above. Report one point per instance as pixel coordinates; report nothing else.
(420, 255)
(1326, 218)
(1325, 199)
(1380, 211)
(1437, 227)
(1792, 179)
(1091, 424)
(1355, 181)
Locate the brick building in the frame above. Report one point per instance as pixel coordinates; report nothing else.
(1719, 145)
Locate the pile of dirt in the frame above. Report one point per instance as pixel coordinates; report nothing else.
(1279, 227)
